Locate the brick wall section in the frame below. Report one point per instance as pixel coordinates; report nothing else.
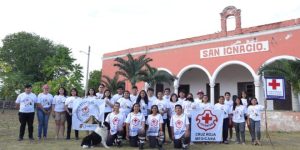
(286, 121)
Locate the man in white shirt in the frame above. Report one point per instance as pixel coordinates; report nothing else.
(119, 94)
(200, 95)
(229, 102)
(101, 89)
(25, 103)
(167, 94)
(134, 94)
(181, 97)
(151, 97)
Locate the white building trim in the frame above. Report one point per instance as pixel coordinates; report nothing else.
(183, 70)
(166, 70)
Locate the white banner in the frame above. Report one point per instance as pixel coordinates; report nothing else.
(274, 88)
(207, 125)
(85, 111)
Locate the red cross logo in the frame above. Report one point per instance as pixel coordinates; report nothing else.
(274, 84)
(179, 123)
(115, 121)
(135, 121)
(207, 118)
(154, 122)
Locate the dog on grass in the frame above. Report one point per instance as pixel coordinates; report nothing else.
(96, 137)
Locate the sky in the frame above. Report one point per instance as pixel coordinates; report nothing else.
(112, 25)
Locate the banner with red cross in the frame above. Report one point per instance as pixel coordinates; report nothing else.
(274, 88)
(207, 125)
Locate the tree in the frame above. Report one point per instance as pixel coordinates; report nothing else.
(287, 68)
(113, 83)
(29, 58)
(153, 77)
(94, 79)
(132, 68)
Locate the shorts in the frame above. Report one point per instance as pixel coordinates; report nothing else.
(60, 116)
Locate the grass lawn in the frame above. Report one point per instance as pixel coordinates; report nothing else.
(9, 130)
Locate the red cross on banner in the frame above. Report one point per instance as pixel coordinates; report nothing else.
(274, 88)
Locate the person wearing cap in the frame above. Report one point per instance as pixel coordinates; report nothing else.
(25, 103)
(200, 95)
(44, 101)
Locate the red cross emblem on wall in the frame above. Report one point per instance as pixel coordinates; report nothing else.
(274, 84)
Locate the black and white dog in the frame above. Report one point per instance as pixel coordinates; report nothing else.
(96, 137)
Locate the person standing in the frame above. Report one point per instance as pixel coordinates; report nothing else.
(69, 108)
(101, 89)
(125, 103)
(43, 111)
(25, 103)
(134, 94)
(144, 103)
(151, 97)
(229, 102)
(59, 114)
(239, 111)
(226, 111)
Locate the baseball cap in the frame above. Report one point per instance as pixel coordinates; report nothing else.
(200, 92)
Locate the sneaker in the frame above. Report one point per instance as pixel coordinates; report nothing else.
(20, 139)
(243, 143)
(237, 142)
(31, 139)
(226, 142)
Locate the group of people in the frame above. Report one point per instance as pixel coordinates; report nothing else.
(140, 116)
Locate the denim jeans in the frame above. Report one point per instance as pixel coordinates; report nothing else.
(42, 122)
(240, 131)
(255, 130)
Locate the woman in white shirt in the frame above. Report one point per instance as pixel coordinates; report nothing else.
(69, 108)
(142, 99)
(125, 103)
(254, 117)
(239, 111)
(180, 128)
(154, 131)
(59, 114)
(135, 127)
(205, 103)
(45, 100)
(109, 102)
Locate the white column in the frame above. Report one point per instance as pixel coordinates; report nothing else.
(257, 91)
(295, 101)
(176, 86)
(146, 86)
(212, 93)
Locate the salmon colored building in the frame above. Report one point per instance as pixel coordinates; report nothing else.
(224, 61)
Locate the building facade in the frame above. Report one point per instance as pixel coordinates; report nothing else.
(224, 61)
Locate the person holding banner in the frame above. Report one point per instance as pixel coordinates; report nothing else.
(58, 109)
(254, 117)
(45, 100)
(154, 131)
(116, 121)
(125, 103)
(226, 111)
(239, 111)
(69, 107)
(135, 127)
(180, 128)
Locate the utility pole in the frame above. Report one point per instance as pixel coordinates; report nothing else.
(87, 70)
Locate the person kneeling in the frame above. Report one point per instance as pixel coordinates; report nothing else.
(135, 127)
(154, 132)
(180, 128)
(116, 120)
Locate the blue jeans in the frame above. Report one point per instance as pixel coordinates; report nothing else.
(43, 122)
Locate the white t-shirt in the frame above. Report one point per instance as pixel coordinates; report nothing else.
(254, 112)
(229, 103)
(205, 106)
(115, 121)
(99, 95)
(45, 100)
(187, 107)
(239, 114)
(224, 108)
(167, 97)
(116, 97)
(133, 98)
(70, 100)
(181, 100)
(162, 106)
(197, 100)
(144, 107)
(135, 122)
(172, 107)
(91, 98)
(125, 105)
(59, 103)
(153, 123)
(179, 123)
(244, 102)
(151, 100)
(108, 108)
(26, 102)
